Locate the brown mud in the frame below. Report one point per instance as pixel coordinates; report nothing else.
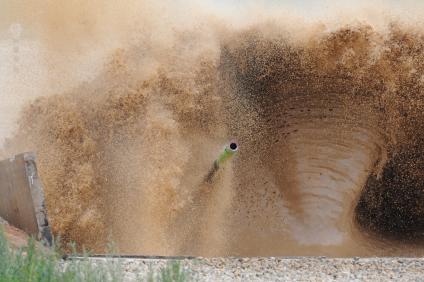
(328, 124)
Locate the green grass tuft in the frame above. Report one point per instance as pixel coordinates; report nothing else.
(173, 272)
(34, 264)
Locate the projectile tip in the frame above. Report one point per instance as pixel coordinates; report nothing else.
(233, 146)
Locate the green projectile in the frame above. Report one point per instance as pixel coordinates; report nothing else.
(225, 155)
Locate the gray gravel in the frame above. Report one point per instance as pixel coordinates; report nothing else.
(286, 269)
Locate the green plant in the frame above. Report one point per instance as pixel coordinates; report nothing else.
(172, 272)
(35, 264)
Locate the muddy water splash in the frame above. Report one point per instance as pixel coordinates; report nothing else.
(329, 115)
(328, 123)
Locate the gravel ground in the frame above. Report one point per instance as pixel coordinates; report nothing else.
(286, 269)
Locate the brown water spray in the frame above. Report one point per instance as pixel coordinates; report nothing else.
(136, 101)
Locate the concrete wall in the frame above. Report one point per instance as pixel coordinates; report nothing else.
(22, 197)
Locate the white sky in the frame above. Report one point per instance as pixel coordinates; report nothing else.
(318, 9)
